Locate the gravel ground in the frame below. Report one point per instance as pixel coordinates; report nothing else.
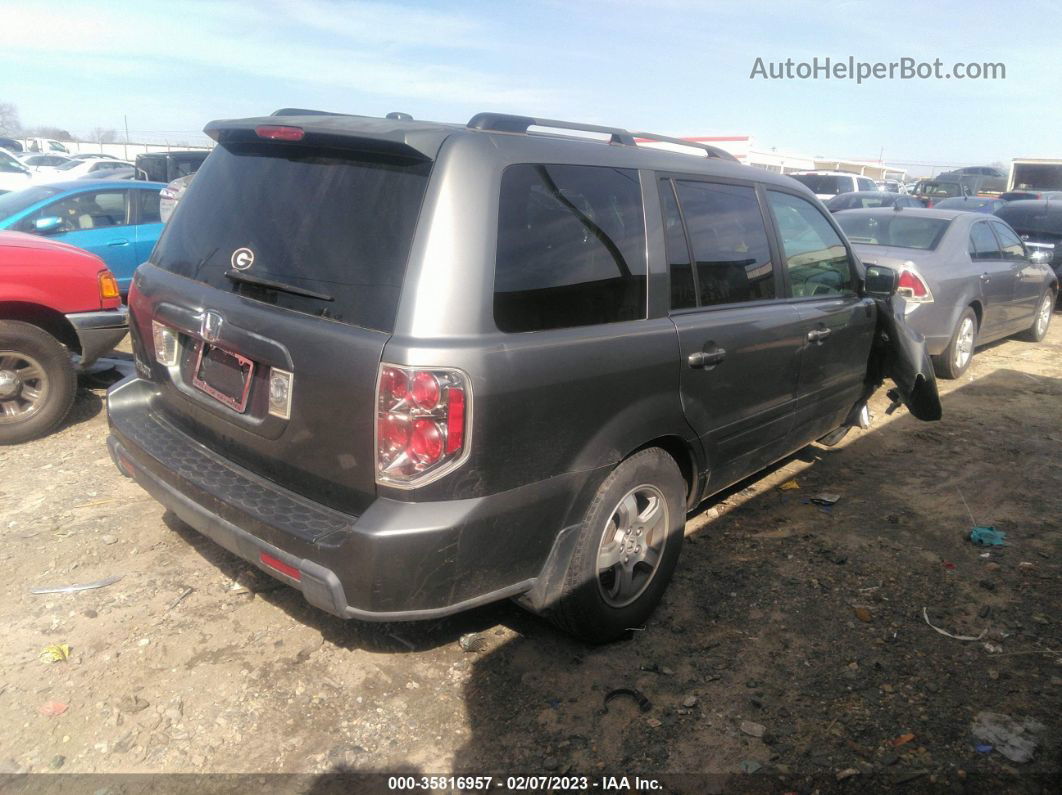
(792, 650)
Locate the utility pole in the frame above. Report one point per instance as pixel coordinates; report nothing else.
(125, 118)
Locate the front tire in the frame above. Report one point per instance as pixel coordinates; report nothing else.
(959, 353)
(37, 382)
(1042, 319)
(626, 549)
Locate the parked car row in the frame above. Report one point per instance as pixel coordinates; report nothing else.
(967, 279)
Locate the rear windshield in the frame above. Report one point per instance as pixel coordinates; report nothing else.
(825, 183)
(942, 189)
(893, 230)
(337, 224)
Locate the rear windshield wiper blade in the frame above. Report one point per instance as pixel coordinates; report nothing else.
(269, 284)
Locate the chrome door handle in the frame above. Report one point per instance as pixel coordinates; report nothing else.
(986, 278)
(706, 359)
(120, 242)
(819, 334)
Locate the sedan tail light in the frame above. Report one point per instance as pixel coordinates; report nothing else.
(423, 418)
(912, 287)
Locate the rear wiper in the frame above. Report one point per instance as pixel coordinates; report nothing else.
(269, 284)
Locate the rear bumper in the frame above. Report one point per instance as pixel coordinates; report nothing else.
(99, 332)
(397, 561)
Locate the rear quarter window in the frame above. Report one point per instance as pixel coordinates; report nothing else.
(571, 247)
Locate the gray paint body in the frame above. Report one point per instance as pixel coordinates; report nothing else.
(1003, 293)
(553, 411)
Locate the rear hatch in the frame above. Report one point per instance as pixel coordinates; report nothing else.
(284, 261)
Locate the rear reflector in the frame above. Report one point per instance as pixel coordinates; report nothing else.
(281, 566)
(279, 132)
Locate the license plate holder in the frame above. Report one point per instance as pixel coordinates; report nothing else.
(221, 365)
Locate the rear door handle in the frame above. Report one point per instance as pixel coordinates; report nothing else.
(119, 242)
(706, 359)
(819, 334)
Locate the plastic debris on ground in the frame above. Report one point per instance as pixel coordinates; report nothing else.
(1016, 740)
(925, 615)
(903, 739)
(472, 642)
(789, 485)
(987, 537)
(750, 766)
(40, 589)
(57, 652)
(52, 709)
(644, 704)
(826, 498)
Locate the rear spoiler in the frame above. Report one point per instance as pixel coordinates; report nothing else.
(334, 131)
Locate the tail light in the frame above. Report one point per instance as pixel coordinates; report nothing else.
(423, 418)
(913, 289)
(165, 341)
(108, 285)
(279, 132)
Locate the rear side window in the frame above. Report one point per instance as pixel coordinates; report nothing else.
(571, 247)
(983, 243)
(729, 241)
(148, 201)
(338, 224)
(1011, 244)
(683, 291)
(815, 256)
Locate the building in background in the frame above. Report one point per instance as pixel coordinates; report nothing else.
(744, 148)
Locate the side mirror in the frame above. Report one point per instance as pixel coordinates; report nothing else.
(880, 282)
(1040, 256)
(47, 226)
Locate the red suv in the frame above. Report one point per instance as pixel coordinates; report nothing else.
(59, 309)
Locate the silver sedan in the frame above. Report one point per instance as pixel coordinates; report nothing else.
(967, 278)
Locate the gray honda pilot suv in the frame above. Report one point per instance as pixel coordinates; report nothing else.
(409, 368)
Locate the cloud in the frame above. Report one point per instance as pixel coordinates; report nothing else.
(375, 48)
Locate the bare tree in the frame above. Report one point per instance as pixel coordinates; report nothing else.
(102, 135)
(9, 123)
(44, 131)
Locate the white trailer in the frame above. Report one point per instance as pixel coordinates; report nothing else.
(1035, 173)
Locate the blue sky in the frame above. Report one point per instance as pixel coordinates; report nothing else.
(672, 66)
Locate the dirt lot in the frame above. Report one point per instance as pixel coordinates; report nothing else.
(791, 651)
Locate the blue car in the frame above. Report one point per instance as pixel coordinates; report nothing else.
(117, 220)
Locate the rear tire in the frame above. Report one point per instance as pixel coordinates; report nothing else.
(1045, 307)
(37, 382)
(959, 353)
(626, 549)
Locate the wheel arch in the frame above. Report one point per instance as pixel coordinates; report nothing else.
(682, 452)
(44, 318)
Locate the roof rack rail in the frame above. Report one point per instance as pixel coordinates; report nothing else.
(505, 122)
(713, 151)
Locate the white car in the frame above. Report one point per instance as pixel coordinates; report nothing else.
(92, 169)
(39, 163)
(13, 175)
(827, 184)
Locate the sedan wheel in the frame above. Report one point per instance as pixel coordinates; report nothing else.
(957, 356)
(1042, 318)
(964, 343)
